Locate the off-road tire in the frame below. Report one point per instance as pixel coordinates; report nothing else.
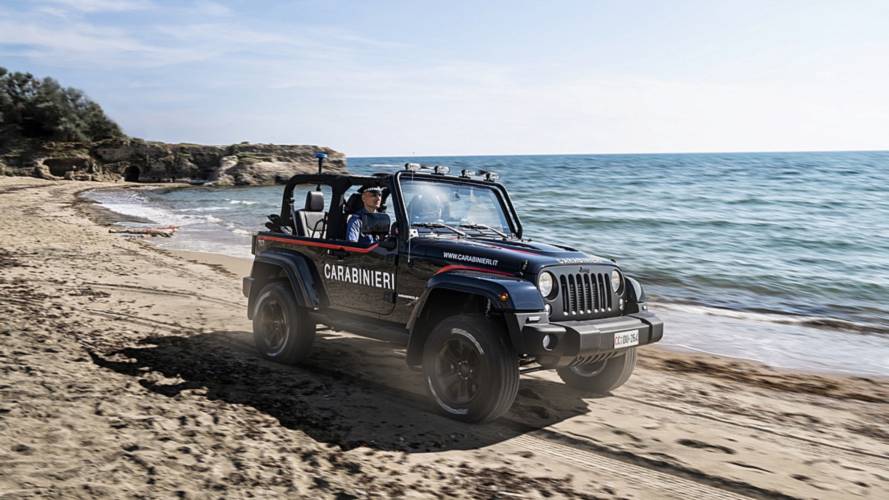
(276, 299)
(598, 379)
(497, 377)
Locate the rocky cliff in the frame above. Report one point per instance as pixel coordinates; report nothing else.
(136, 160)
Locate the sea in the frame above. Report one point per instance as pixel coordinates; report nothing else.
(781, 258)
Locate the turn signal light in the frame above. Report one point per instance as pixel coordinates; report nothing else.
(504, 297)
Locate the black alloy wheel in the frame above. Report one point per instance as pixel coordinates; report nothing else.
(273, 325)
(457, 369)
(282, 330)
(471, 369)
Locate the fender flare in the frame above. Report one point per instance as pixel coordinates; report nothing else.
(521, 294)
(299, 272)
(635, 295)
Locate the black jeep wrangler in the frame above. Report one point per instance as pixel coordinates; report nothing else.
(451, 278)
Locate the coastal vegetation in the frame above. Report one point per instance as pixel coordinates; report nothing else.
(56, 132)
(43, 109)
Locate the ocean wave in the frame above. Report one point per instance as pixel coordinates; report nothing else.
(134, 204)
(155, 215)
(774, 317)
(203, 209)
(210, 219)
(242, 202)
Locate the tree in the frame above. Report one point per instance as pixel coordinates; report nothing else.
(44, 109)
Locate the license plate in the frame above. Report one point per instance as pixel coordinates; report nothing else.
(626, 339)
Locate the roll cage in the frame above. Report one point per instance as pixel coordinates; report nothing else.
(391, 185)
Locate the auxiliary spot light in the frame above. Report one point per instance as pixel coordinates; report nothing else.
(549, 342)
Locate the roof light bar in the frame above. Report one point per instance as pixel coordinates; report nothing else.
(485, 175)
(489, 175)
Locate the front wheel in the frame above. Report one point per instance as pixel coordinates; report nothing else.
(281, 329)
(471, 370)
(602, 377)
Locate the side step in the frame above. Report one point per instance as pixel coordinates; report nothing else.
(364, 326)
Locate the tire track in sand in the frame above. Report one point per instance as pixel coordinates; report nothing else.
(158, 291)
(659, 476)
(808, 441)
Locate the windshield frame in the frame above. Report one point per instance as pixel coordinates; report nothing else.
(500, 192)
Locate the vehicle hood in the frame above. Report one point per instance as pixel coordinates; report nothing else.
(504, 255)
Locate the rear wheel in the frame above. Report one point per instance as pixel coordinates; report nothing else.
(602, 377)
(282, 330)
(471, 371)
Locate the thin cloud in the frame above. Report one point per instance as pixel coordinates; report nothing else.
(208, 8)
(60, 33)
(75, 44)
(105, 5)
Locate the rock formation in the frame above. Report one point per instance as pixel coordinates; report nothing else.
(137, 160)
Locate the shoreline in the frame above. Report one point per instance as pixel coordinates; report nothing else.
(128, 369)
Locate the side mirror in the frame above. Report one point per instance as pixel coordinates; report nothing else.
(274, 223)
(390, 243)
(376, 224)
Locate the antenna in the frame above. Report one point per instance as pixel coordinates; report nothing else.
(321, 157)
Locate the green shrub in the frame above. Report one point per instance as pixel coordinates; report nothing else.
(43, 109)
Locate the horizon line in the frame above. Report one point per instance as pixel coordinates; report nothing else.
(414, 155)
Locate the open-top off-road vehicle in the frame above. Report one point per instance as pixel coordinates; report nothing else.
(451, 278)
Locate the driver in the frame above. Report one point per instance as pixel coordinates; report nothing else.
(372, 197)
(426, 207)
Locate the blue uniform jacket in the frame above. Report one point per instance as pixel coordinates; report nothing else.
(353, 229)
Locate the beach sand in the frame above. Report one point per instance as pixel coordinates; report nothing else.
(126, 370)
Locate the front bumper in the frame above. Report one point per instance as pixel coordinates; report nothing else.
(581, 342)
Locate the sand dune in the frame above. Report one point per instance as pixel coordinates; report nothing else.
(126, 370)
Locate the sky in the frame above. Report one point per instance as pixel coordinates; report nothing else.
(391, 78)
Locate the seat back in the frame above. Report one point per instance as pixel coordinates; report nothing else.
(353, 204)
(311, 221)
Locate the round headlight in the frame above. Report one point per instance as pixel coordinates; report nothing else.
(616, 281)
(545, 284)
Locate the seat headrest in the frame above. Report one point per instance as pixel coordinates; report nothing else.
(314, 201)
(354, 203)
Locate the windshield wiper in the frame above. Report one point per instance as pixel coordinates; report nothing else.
(485, 226)
(439, 225)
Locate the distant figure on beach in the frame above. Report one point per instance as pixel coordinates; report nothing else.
(371, 196)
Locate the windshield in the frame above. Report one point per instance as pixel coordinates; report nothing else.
(435, 207)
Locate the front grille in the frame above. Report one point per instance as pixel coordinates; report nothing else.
(585, 293)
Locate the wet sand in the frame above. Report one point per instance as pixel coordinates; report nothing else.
(126, 370)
